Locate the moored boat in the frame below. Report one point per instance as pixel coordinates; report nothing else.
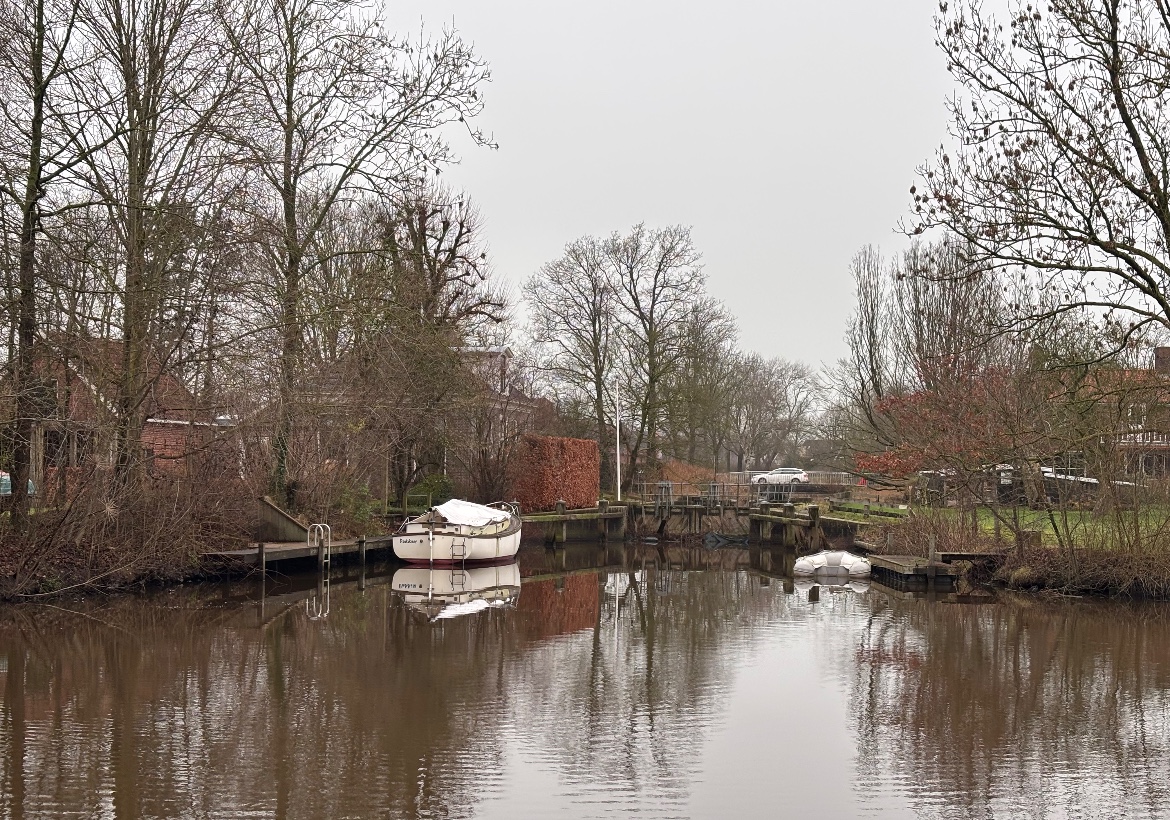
(832, 563)
(458, 531)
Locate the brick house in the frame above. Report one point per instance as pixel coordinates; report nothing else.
(75, 424)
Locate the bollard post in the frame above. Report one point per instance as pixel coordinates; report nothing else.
(814, 594)
(362, 555)
(931, 569)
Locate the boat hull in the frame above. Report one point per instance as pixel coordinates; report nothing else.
(454, 547)
(832, 564)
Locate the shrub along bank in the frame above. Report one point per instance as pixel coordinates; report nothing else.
(1078, 554)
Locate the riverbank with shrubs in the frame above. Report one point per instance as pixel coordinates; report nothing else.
(1122, 553)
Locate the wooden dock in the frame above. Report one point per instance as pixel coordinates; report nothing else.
(913, 572)
(595, 522)
(287, 550)
(559, 525)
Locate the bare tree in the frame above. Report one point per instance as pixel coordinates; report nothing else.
(573, 317)
(1059, 179)
(333, 105)
(771, 409)
(699, 386)
(658, 274)
(931, 317)
(38, 149)
(160, 179)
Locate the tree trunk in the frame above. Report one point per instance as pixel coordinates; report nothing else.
(128, 463)
(26, 319)
(603, 439)
(291, 338)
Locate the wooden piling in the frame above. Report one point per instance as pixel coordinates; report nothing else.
(564, 523)
(602, 521)
(361, 544)
(932, 566)
(262, 557)
(814, 594)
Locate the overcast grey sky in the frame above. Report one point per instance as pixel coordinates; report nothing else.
(786, 133)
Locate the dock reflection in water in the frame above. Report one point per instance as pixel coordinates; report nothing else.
(668, 681)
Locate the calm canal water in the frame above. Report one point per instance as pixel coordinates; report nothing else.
(673, 683)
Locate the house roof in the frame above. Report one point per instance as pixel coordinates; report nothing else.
(97, 366)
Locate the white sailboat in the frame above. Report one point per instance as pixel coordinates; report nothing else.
(459, 531)
(448, 592)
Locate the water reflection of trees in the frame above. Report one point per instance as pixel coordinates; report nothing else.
(178, 705)
(185, 704)
(628, 715)
(978, 711)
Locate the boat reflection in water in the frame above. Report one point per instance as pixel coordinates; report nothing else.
(449, 592)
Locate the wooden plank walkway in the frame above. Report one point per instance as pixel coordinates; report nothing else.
(912, 565)
(950, 557)
(284, 550)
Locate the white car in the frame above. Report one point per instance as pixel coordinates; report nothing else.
(783, 475)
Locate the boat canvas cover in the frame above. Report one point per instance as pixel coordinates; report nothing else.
(468, 514)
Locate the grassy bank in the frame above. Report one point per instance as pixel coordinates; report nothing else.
(1076, 552)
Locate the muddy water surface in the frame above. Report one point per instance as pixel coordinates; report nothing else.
(662, 683)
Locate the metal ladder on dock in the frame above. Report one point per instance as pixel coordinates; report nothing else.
(321, 537)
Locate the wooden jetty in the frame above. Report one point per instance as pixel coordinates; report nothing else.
(867, 509)
(599, 522)
(913, 572)
(293, 540)
(263, 553)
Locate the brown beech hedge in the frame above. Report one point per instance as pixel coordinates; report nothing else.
(552, 469)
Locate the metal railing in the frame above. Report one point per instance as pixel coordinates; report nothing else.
(321, 537)
(824, 478)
